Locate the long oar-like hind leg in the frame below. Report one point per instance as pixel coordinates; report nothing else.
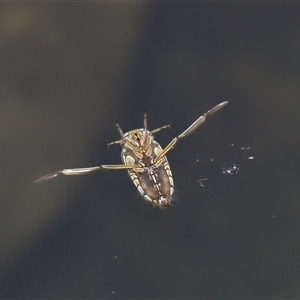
(189, 130)
(82, 171)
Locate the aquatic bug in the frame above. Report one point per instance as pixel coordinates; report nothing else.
(145, 160)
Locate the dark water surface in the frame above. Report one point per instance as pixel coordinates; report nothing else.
(69, 70)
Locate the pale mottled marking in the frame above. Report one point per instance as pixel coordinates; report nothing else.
(171, 181)
(148, 198)
(129, 160)
(141, 191)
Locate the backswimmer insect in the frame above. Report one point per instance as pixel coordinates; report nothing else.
(145, 160)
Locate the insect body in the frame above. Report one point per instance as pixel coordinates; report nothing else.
(145, 160)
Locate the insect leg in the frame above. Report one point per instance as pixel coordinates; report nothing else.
(189, 130)
(161, 128)
(114, 143)
(157, 129)
(145, 120)
(82, 171)
(201, 120)
(119, 130)
(121, 134)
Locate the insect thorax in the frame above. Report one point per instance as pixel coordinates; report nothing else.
(153, 179)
